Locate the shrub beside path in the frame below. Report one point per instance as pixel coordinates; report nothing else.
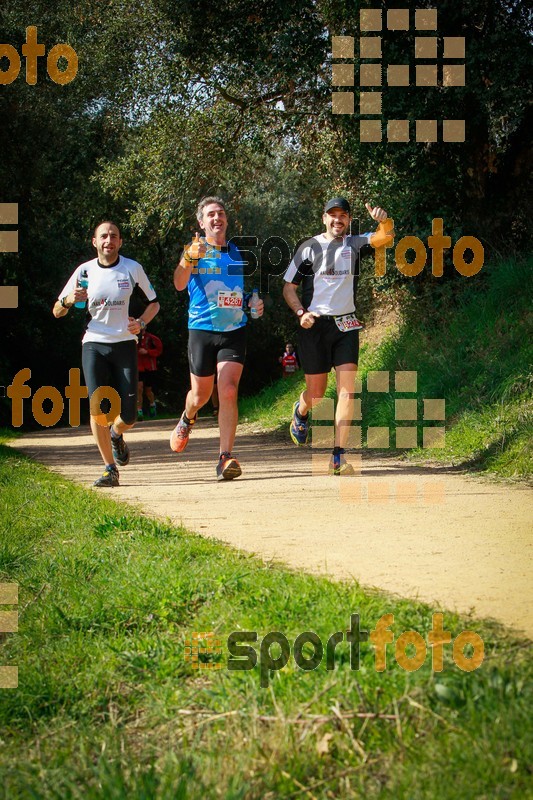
(458, 542)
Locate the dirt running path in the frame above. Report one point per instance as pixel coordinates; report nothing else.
(422, 533)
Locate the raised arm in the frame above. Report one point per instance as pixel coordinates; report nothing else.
(385, 231)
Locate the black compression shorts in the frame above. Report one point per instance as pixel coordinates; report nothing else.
(324, 346)
(113, 365)
(209, 348)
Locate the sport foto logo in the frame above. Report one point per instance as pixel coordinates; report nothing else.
(437, 242)
(371, 70)
(404, 433)
(9, 623)
(17, 391)
(32, 50)
(204, 650)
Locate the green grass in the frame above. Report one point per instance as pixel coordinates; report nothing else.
(471, 345)
(272, 407)
(7, 435)
(108, 707)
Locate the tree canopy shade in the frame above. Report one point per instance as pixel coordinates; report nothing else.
(262, 78)
(176, 99)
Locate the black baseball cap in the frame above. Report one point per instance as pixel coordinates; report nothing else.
(337, 202)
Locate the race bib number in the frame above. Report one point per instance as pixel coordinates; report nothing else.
(229, 299)
(348, 322)
(290, 368)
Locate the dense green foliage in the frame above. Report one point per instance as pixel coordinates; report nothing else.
(471, 347)
(108, 707)
(174, 100)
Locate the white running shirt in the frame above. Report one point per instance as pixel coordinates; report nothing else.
(109, 292)
(328, 271)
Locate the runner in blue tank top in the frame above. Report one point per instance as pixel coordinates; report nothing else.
(216, 291)
(212, 271)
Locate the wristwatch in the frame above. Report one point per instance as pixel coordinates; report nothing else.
(300, 312)
(142, 323)
(65, 305)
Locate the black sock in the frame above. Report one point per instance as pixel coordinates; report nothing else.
(301, 416)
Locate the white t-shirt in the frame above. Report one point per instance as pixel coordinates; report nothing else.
(328, 271)
(109, 292)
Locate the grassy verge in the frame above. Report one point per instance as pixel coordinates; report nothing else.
(7, 435)
(470, 345)
(108, 707)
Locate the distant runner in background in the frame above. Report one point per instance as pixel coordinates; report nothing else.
(327, 268)
(289, 361)
(149, 350)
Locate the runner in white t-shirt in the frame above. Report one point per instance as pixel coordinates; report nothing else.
(327, 269)
(109, 345)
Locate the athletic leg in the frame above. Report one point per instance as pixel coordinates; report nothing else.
(315, 353)
(345, 375)
(124, 361)
(125, 381)
(228, 377)
(199, 394)
(97, 372)
(103, 440)
(315, 387)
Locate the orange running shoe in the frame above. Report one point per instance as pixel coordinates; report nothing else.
(179, 438)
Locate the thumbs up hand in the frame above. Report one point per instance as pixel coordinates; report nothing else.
(196, 249)
(377, 213)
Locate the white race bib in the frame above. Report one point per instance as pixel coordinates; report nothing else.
(348, 322)
(229, 299)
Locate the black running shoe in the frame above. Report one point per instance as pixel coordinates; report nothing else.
(121, 451)
(109, 477)
(228, 467)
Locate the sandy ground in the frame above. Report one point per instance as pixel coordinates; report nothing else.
(456, 542)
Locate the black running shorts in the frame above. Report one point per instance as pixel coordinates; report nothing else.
(324, 346)
(209, 348)
(113, 365)
(148, 378)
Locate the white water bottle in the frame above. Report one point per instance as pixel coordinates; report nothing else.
(253, 304)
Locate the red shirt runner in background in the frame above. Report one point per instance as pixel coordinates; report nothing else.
(289, 360)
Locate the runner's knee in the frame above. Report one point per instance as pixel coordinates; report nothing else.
(228, 393)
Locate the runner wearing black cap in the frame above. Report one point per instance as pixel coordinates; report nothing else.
(327, 267)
